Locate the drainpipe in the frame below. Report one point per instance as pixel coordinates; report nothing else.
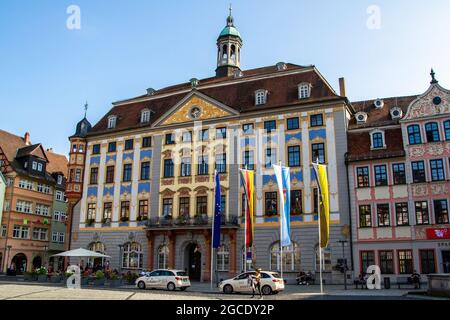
(350, 213)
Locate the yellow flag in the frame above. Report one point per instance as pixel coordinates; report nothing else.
(324, 205)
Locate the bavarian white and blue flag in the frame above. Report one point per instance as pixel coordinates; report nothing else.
(284, 188)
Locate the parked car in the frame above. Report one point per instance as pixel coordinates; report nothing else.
(164, 279)
(271, 282)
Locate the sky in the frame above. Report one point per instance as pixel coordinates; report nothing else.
(48, 71)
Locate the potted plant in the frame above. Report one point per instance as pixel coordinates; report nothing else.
(131, 278)
(30, 276)
(42, 274)
(85, 278)
(55, 277)
(114, 281)
(99, 279)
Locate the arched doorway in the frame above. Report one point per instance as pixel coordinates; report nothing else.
(194, 259)
(19, 263)
(37, 262)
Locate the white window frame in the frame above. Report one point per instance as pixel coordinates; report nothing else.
(223, 258)
(304, 90)
(24, 206)
(260, 97)
(59, 195)
(112, 122)
(60, 179)
(56, 215)
(54, 236)
(34, 165)
(4, 231)
(61, 237)
(382, 136)
(145, 116)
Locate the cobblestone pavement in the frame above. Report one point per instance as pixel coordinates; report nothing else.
(198, 291)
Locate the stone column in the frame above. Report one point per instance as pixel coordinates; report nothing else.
(172, 247)
(207, 270)
(233, 253)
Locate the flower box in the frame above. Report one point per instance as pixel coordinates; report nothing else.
(99, 282)
(42, 278)
(55, 278)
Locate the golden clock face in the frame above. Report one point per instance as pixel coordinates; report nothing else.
(195, 112)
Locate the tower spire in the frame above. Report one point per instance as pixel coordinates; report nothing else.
(86, 106)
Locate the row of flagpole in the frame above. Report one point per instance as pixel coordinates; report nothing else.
(282, 175)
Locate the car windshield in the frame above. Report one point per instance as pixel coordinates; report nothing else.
(181, 274)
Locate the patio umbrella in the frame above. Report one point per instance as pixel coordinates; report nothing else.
(81, 253)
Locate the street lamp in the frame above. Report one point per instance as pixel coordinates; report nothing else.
(344, 261)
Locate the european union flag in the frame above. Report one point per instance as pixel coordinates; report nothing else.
(217, 213)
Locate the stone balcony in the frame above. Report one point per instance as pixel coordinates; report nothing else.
(185, 222)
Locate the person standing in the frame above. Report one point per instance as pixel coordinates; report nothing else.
(415, 278)
(257, 283)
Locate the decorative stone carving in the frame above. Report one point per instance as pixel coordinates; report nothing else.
(437, 189)
(424, 106)
(419, 190)
(167, 181)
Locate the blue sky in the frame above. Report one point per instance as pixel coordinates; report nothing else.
(124, 47)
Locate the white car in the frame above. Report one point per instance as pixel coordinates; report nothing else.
(271, 282)
(164, 279)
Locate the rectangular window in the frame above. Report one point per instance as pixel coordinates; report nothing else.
(377, 140)
(184, 206)
(203, 168)
(143, 208)
(380, 175)
(127, 170)
(170, 138)
(387, 262)
(25, 184)
(296, 202)
(315, 201)
(427, 261)
(168, 168)
(61, 237)
(398, 170)
(447, 130)
(56, 215)
(54, 236)
(292, 123)
(125, 210)
(107, 211)
(96, 149)
(145, 170)
(441, 211)
(129, 144)
(185, 167)
(294, 156)
(249, 160)
(223, 204)
(367, 260)
(271, 157)
(383, 215)
(203, 135)
(146, 142)
(405, 261)
(248, 128)
(91, 211)
(362, 174)
(109, 174)
(42, 210)
(414, 135)
(422, 215)
(221, 133)
(270, 126)
(112, 147)
(318, 152)
(401, 213)
(94, 176)
(40, 234)
(24, 206)
(365, 216)
(316, 120)
(271, 205)
(202, 205)
(167, 207)
(59, 195)
(418, 171)
(221, 163)
(432, 132)
(186, 136)
(437, 170)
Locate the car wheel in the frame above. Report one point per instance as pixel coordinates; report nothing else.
(141, 285)
(266, 290)
(183, 288)
(228, 289)
(171, 286)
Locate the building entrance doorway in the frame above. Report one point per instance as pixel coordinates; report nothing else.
(37, 262)
(19, 263)
(195, 262)
(446, 261)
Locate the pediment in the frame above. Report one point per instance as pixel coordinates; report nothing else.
(195, 107)
(434, 102)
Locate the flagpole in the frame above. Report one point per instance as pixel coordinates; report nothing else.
(212, 233)
(320, 235)
(245, 228)
(281, 232)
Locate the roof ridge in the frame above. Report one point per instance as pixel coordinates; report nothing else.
(387, 98)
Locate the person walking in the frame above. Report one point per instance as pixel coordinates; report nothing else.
(257, 283)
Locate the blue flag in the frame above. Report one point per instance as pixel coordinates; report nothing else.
(284, 187)
(217, 213)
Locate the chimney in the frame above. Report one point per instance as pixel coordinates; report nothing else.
(342, 87)
(26, 139)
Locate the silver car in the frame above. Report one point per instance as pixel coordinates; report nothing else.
(164, 279)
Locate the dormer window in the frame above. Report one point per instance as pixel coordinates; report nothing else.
(145, 116)
(60, 179)
(260, 97)
(396, 113)
(304, 90)
(112, 120)
(361, 117)
(377, 139)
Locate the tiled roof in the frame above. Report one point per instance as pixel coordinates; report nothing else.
(10, 143)
(237, 93)
(57, 162)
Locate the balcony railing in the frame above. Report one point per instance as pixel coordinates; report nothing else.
(189, 222)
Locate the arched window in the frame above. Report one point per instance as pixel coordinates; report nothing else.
(132, 256)
(223, 258)
(224, 52)
(326, 259)
(414, 136)
(260, 97)
(97, 247)
(145, 116)
(304, 90)
(291, 257)
(100, 248)
(249, 260)
(112, 122)
(432, 132)
(447, 130)
(163, 257)
(233, 53)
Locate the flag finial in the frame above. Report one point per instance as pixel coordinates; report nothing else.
(433, 77)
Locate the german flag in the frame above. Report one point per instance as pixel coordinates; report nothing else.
(248, 181)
